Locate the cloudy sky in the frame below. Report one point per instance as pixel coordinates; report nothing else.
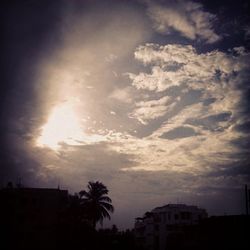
(149, 97)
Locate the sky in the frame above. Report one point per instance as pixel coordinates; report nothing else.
(149, 97)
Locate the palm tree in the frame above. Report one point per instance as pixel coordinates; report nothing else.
(95, 202)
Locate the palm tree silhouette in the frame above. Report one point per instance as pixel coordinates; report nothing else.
(95, 202)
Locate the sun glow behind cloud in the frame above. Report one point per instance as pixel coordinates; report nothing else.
(63, 126)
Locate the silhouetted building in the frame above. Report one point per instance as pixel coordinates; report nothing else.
(223, 232)
(156, 228)
(31, 215)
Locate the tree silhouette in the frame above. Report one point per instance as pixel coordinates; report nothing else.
(95, 203)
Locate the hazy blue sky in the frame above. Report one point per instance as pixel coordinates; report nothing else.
(149, 97)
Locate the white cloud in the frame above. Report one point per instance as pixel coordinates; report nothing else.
(122, 95)
(150, 110)
(162, 101)
(175, 65)
(186, 17)
(195, 110)
(217, 76)
(110, 58)
(158, 80)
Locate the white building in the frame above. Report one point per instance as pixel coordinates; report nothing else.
(153, 231)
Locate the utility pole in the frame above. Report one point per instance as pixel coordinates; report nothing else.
(249, 198)
(247, 194)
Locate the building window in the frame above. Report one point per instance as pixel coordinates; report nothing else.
(176, 217)
(164, 217)
(185, 215)
(169, 216)
(157, 218)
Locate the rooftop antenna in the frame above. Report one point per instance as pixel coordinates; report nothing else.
(249, 198)
(19, 182)
(58, 186)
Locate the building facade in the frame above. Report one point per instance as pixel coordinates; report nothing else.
(158, 228)
(31, 215)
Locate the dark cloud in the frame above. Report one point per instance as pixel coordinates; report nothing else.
(240, 169)
(227, 196)
(242, 144)
(243, 127)
(18, 164)
(210, 122)
(180, 101)
(180, 132)
(26, 38)
(231, 20)
(209, 101)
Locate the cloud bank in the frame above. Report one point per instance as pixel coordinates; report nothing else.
(186, 17)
